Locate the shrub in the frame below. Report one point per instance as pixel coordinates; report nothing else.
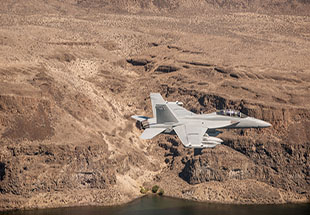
(143, 190)
(161, 192)
(155, 188)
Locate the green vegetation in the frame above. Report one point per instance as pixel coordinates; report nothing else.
(143, 190)
(161, 192)
(155, 188)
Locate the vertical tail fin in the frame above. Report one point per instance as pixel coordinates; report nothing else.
(161, 111)
(164, 114)
(156, 98)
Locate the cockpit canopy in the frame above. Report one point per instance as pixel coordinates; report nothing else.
(232, 113)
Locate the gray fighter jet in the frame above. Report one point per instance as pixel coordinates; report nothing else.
(194, 130)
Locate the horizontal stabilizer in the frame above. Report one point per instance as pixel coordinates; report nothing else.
(149, 133)
(140, 118)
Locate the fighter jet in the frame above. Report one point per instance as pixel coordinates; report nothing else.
(194, 130)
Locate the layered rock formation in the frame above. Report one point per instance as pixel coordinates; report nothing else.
(72, 73)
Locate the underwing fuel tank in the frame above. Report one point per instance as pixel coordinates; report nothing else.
(211, 140)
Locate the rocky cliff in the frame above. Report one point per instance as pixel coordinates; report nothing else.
(72, 73)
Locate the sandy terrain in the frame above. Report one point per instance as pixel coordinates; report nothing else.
(72, 73)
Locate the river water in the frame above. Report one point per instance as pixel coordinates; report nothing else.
(154, 205)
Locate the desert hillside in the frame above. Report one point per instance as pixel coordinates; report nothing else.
(73, 72)
(168, 7)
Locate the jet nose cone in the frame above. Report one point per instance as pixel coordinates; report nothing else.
(263, 124)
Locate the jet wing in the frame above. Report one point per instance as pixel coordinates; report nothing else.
(213, 124)
(149, 133)
(182, 134)
(191, 134)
